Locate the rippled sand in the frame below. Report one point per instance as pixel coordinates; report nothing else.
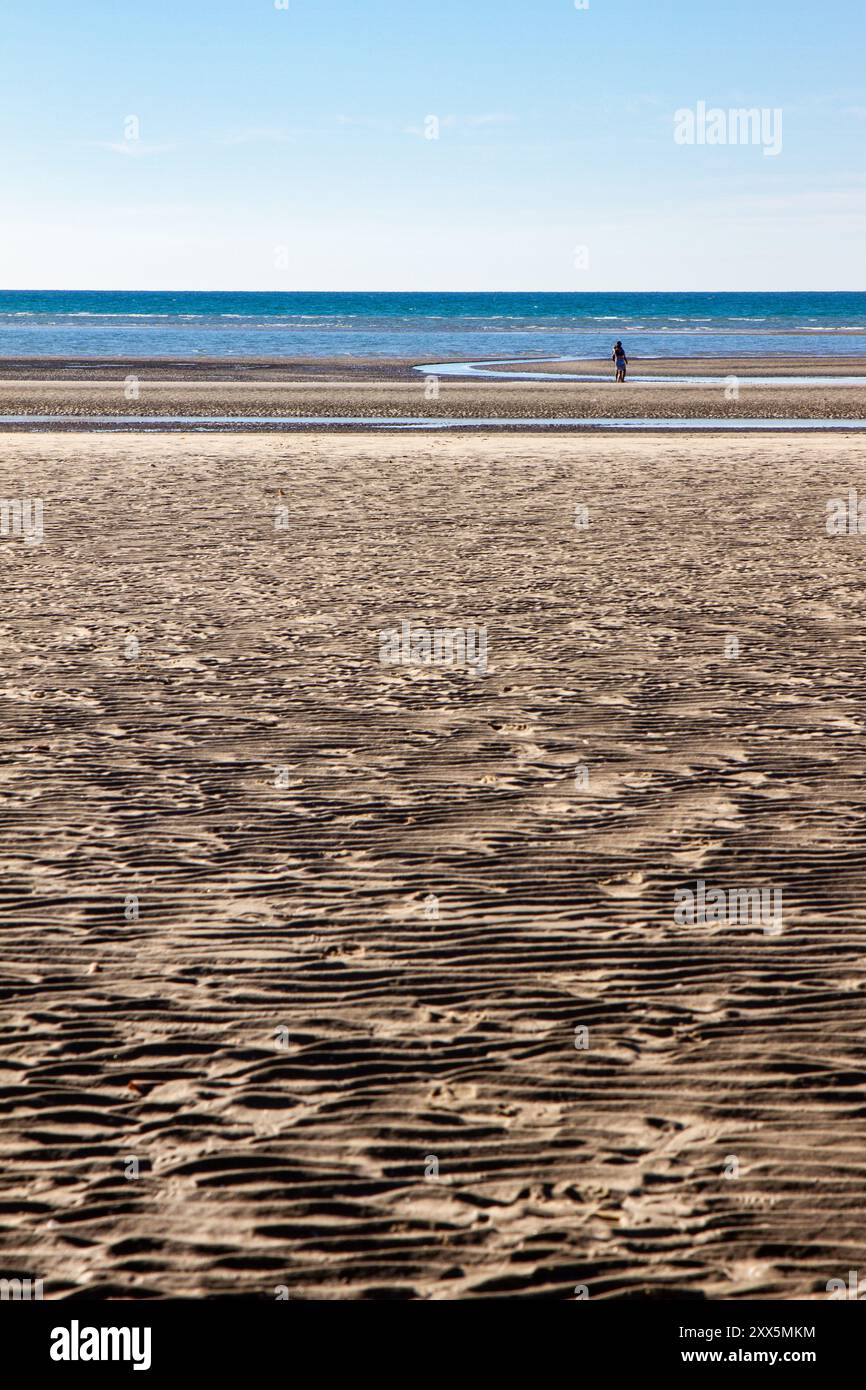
(421, 1033)
(74, 389)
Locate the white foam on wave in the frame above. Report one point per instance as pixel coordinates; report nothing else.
(490, 370)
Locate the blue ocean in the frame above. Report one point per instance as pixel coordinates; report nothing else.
(426, 327)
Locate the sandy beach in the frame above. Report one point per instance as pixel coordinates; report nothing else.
(69, 389)
(300, 947)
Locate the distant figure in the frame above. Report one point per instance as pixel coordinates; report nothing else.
(618, 356)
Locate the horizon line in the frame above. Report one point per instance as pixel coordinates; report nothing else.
(118, 289)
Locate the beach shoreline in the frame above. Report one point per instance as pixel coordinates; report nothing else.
(71, 388)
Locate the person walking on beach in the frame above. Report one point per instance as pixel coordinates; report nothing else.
(618, 356)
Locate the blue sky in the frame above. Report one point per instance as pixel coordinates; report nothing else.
(286, 149)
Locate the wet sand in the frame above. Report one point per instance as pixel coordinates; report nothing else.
(282, 806)
(72, 389)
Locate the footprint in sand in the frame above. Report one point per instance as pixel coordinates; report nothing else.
(693, 855)
(629, 886)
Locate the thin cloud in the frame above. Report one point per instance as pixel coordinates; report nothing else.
(486, 118)
(491, 118)
(363, 122)
(131, 149)
(421, 131)
(271, 135)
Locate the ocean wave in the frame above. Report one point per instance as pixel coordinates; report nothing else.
(106, 314)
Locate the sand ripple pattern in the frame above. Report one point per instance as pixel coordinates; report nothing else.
(301, 906)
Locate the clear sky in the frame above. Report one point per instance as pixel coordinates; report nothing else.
(286, 149)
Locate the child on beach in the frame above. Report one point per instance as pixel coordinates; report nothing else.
(618, 356)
